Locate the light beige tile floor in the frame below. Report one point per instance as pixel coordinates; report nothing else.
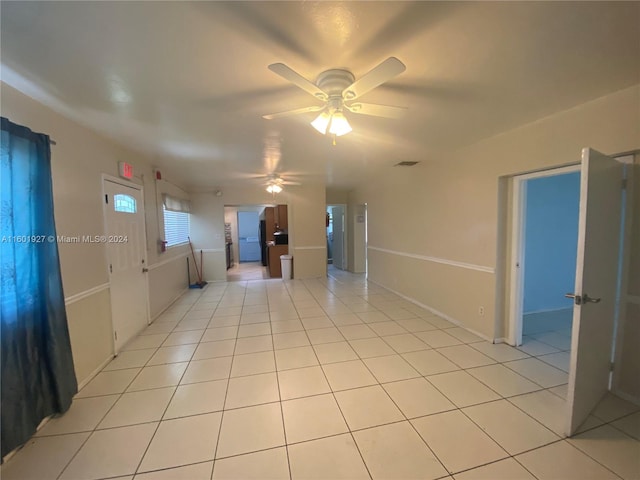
(329, 378)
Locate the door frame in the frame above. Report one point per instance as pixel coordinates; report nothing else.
(625, 257)
(515, 247)
(517, 267)
(238, 212)
(125, 183)
(345, 258)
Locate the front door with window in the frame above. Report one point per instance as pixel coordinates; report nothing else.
(126, 252)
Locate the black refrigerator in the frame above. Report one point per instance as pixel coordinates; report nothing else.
(263, 242)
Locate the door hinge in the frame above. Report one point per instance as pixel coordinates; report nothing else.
(106, 199)
(611, 366)
(115, 334)
(110, 268)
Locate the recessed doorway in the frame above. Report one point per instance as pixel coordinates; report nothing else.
(336, 236)
(549, 226)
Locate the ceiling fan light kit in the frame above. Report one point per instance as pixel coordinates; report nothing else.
(337, 88)
(274, 188)
(333, 123)
(321, 123)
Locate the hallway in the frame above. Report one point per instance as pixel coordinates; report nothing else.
(328, 378)
(247, 271)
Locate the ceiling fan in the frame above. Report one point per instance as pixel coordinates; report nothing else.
(338, 90)
(274, 183)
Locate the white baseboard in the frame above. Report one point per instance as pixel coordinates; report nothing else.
(173, 300)
(435, 312)
(627, 397)
(84, 382)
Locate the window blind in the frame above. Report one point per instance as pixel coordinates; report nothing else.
(176, 227)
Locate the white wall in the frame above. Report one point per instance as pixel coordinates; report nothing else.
(433, 228)
(78, 161)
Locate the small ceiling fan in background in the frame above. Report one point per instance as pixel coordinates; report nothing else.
(275, 182)
(339, 90)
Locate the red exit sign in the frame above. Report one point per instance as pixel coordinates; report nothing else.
(126, 170)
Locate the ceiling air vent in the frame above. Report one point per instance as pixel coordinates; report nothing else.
(405, 164)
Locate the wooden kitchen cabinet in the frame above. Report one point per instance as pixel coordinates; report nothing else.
(273, 259)
(270, 223)
(282, 217)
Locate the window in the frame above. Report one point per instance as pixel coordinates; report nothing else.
(124, 203)
(176, 220)
(176, 227)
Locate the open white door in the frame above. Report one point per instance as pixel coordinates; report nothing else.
(126, 251)
(596, 284)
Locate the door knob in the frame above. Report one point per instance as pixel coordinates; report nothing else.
(582, 299)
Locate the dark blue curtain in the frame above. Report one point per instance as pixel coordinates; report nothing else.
(37, 374)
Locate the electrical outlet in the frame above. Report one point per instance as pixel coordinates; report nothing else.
(481, 311)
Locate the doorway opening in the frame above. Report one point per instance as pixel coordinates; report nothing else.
(599, 276)
(336, 236)
(545, 220)
(255, 237)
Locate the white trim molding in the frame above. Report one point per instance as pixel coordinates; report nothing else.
(92, 375)
(157, 315)
(167, 260)
(444, 261)
(437, 313)
(87, 293)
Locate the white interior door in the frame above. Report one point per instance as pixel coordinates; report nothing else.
(126, 251)
(596, 284)
(337, 214)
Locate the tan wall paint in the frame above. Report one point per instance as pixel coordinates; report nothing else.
(627, 372)
(170, 278)
(337, 196)
(308, 231)
(418, 280)
(78, 161)
(448, 208)
(90, 330)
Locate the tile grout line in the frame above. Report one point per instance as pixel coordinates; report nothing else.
(224, 402)
(284, 429)
(361, 359)
(165, 408)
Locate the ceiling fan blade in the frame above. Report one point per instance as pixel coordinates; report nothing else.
(380, 74)
(377, 110)
(297, 111)
(298, 80)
